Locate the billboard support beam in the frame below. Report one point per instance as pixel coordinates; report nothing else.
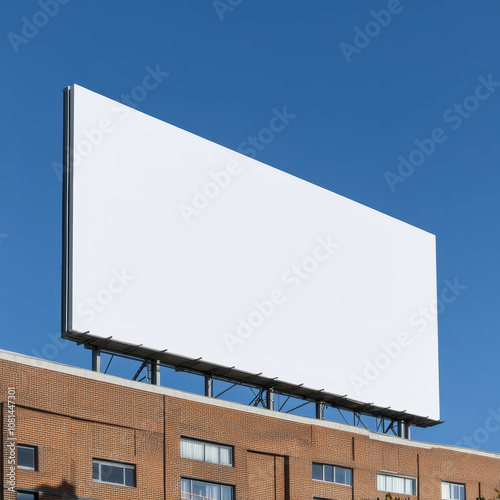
(320, 410)
(270, 399)
(389, 428)
(96, 360)
(209, 386)
(404, 429)
(386, 419)
(155, 372)
(358, 422)
(138, 372)
(265, 397)
(401, 429)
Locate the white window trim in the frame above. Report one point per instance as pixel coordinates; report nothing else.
(212, 443)
(451, 483)
(399, 476)
(115, 464)
(334, 467)
(215, 483)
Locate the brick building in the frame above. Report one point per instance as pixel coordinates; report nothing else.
(87, 435)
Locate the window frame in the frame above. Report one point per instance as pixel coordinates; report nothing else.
(35, 457)
(114, 463)
(334, 467)
(399, 476)
(450, 483)
(214, 483)
(205, 442)
(34, 493)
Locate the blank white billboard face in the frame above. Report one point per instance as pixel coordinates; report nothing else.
(178, 243)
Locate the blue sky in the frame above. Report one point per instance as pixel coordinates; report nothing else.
(396, 106)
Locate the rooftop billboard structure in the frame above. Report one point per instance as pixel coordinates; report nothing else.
(181, 249)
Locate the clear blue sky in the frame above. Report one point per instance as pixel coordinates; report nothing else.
(424, 70)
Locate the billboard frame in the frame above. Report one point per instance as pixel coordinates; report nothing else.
(184, 363)
(67, 203)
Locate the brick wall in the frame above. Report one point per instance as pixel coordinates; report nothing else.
(75, 417)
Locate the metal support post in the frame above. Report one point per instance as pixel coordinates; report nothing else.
(96, 359)
(320, 410)
(209, 386)
(270, 399)
(403, 429)
(155, 372)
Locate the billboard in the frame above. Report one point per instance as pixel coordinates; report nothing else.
(180, 244)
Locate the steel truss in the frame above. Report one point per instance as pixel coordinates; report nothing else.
(264, 395)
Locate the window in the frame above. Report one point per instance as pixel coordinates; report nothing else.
(396, 484)
(332, 474)
(192, 489)
(206, 451)
(452, 491)
(21, 495)
(26, 457)
(113, 473)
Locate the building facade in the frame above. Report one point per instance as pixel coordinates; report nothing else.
(75, 433)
